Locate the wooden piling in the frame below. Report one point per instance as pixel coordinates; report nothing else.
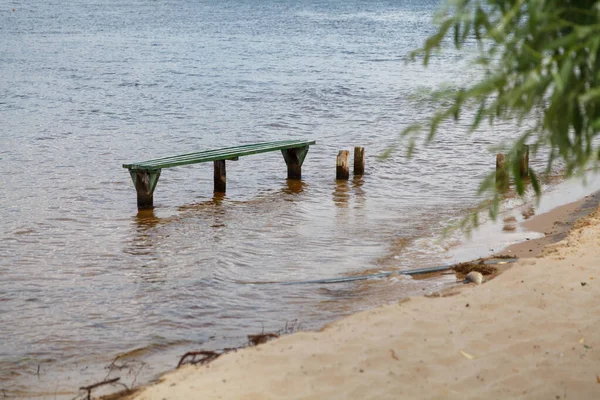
(359, 161)
(523, 157)
(220, 176)
(342, 165)
(145, 183)
(294, 158)
(501, 173)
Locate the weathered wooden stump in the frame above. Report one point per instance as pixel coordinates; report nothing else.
(342, 165)
(523, 157)
(220, 176)
(359, 161)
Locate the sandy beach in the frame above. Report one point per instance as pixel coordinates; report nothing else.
(532, 332)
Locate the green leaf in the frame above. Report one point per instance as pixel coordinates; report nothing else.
(590, 95)
(566, 70)
(435, 122)
(478, 116)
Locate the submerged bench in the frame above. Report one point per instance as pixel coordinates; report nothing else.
(145, 174)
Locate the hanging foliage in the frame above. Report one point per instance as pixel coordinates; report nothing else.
(541, 62)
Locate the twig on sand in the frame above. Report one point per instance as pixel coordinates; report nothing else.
(114, 366)
(207, 356)
(143, 364)
(95, 385)
(129, 366)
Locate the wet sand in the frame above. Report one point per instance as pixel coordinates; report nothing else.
(554, 224)
(531, 332)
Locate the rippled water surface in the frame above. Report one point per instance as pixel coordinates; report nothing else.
(88, 85)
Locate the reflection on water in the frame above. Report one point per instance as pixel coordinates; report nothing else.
(341, 193)
(294, 186)
(146, 219)
(218, 198)
(528, 212)
(360, 195)
(143, 242)
(347, 191)
(510, 224)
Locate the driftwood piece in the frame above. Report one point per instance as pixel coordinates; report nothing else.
(207, 356)
(95, 385)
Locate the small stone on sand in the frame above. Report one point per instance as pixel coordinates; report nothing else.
(474, 277)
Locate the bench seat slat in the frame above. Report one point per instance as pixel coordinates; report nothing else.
(190, 155)
(218, 154)
(241, 148)
(204, 154)
(202, 157)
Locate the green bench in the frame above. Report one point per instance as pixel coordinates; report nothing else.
(145, 174)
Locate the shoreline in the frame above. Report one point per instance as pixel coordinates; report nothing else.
(266, 370)
(554, 224)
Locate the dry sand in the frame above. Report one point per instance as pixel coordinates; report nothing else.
(533, 332)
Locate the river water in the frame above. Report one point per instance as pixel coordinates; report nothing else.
(88, 85)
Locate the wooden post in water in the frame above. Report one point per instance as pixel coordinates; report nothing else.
(523, 156)
(342, 166)
(359, 161)
(220, 176)
(294, 158)
(145, 183)
(501, 173)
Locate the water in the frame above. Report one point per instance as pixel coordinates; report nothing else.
(88, 85)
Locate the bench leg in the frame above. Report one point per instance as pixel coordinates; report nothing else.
(145, 183)
(294, 159)
(220, 176)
